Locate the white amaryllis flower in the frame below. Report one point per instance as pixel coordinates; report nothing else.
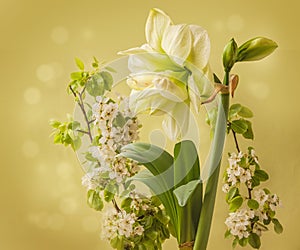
(170, 71)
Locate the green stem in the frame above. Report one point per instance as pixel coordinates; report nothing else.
(214, 162)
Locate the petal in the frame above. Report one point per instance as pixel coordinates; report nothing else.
(156, 24)
(150, 62)
(149, 101)
(140, 81)
(143, 49)
(200, 47)
(177, 42)
(176, 122)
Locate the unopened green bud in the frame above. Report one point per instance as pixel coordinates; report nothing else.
(256, 49)
(229, 55)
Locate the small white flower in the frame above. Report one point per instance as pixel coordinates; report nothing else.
(274, 202)
(260, 196)
(138, 230)
(238, 222)
(234, 158)
(225, 188)
(253, 155)
(257, 230)
(245, 176)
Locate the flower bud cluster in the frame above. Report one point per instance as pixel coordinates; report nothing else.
(138, 224)
(117, 126)
(252, 212)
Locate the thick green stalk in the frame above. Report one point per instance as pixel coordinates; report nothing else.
(214, 162)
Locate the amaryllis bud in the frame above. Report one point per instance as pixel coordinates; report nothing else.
(256, 49)
(229, 55)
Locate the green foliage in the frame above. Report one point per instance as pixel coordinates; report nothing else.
(109, 192)
(238, 123)
(253, 204)
(164, 173)
(66, 133)
(184, 192)
(239, 126)
(235, 203)
(233, 192)
(254, 240)
(261, 175)
(79, 64)
(243, 242)
(94, 200)
(277, 226)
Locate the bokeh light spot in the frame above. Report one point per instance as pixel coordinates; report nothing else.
(32, 95)
(259, 90)
(56, 221)
(219, 25)
(235, 23)
(68, 205)
(60, 35)
(64, 170)
(30, 149)
(45, 72)
(90, 224)
(88, 34)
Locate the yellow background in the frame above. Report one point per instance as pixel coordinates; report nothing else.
(42, 202)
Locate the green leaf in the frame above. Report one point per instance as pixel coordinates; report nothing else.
(119, 121)
(109, 192)
(76, 75)
(255, 181)
(216, 78)
(188, 188)
(76, 143)
(234, 109)
(159, 176)
(239, 126)
(162, 217)
(245, 112)
(249, 133)
(235, 242)
(253, 204)
(94, 200)
(184, 192)
(261, 175)
(235, 203)
(107, 79)
(151, 234)
(95, 85)
(227, 234)
(254, 240)
(243, 242)
(79, 63)
(277, 226)
(54, 123)
(233, 192)
(117, 242)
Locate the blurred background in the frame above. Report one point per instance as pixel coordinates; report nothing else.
(43, 205)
